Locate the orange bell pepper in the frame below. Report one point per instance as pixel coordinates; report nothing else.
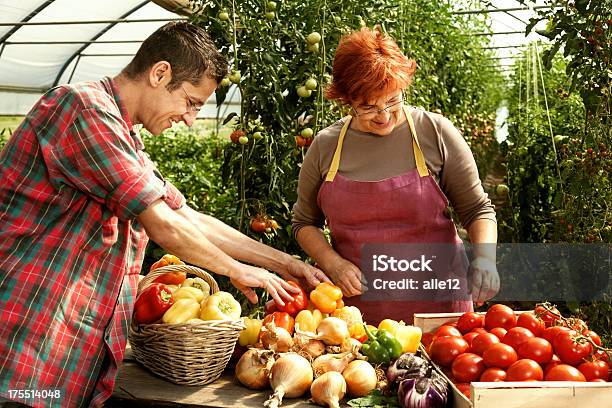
(325, 297)
(170, 278)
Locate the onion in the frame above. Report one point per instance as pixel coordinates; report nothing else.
(360, 378)
(331, 362)
(253, 368)
(290, 376)
(328, 389)
(332, 331)
(307, 347)
(350, 344)
(276, 339)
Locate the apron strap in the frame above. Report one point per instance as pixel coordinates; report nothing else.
(418, 153)
(333, 168)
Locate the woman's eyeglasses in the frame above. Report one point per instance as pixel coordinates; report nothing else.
(394, 106)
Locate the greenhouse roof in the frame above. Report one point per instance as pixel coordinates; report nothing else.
(48, 42)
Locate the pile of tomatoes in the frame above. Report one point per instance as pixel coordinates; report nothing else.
(502, 345)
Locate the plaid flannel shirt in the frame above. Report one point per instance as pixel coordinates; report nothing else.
(73, 180)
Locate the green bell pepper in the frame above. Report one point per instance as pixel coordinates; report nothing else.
(381, 347)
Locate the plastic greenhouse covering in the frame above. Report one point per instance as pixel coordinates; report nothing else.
(35, 57)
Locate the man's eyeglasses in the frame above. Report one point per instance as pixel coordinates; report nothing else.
(191, 106)
(394, 106)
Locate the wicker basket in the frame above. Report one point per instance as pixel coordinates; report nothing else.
(186, 353)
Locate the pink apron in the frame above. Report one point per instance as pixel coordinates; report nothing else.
(407, 208)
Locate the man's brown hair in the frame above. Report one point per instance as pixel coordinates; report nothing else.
(189, 50)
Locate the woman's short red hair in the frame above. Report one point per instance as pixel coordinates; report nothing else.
(368, 64)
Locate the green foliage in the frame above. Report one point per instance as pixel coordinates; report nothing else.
(455, 75)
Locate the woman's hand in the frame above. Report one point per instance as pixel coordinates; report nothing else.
(307, 275)
(484, 279)
(246, 277)
(347, 277)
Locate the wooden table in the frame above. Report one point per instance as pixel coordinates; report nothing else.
(138, 387)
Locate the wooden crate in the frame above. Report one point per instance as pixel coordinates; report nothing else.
(557, 394)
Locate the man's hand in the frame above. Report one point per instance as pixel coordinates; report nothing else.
(347, 277)
(307, 276)
(484, 279)
(247, 277)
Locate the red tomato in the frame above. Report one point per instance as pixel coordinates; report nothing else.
(531, 322)
(554, 361)
(447, 330)
(426, 339)
(500, 316)
(578, 324)
(468, 367)
(464, 388)
(493, 374)
(569, 351)
(551, 332)
(564, 372)
(500, 332)
(469, 321)
(445, 349)
(525, 370)
(499, 355)
(549, 318)
(597, 380)
(482, 342)
(593, 369)
(258, 225)
(517, 336)
(479, 330)
(536, 349)
(602, 355)
(594, 336)
(469, 337)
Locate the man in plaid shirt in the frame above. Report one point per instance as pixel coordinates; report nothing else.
(79, 200)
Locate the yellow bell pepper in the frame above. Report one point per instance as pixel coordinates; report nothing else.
(172, 288)
(308, 320)
(250, 335)
(197, 283)
(181, 311)
(188, 292)
(326, 297)
(408, 336)
(220, 306)
(352, 316)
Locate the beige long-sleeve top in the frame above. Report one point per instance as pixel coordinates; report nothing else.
(368, 157)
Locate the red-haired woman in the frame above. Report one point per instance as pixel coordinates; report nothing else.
(386, 174)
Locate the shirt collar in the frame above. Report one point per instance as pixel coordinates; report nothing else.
(112, 89)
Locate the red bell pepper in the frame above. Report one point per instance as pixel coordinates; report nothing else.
(280, 319)
(299, 302)
(152, 303)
